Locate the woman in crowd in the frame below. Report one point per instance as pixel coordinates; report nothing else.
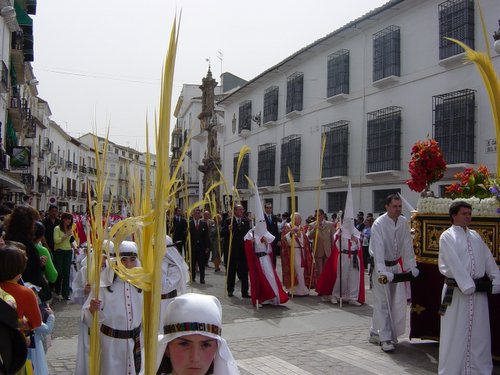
(49, 270)
(21, 228)
(63, 254)
(192, 343)
(13, 262)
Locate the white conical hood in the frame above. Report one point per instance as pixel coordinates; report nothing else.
(260, 228)
(348, 228)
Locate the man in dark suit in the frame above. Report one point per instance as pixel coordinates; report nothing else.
(180, 229)
(236, 261)
(272, 227)
(200, 245)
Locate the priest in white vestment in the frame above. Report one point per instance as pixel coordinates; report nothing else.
(392, 250)
(465, 341)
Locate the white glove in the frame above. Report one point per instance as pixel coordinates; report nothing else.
(414, 271)
(389, 275)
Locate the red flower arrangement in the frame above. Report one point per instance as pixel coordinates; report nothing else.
(427, 165)
(472, 184)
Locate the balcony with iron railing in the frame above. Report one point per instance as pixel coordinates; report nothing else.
(17, 55)
(28, 180)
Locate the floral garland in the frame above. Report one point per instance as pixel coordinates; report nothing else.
(427, 165)
(441, 206)
(472, 183)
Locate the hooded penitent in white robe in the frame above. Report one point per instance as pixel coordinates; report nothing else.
(465, 343)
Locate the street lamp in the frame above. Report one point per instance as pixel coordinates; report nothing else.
(496, 36)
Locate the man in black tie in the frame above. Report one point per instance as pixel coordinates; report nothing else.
(180, 229)
(200, 246)
(236, 261)
(272, 227)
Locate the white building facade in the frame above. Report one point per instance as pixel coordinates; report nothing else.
(372, 88)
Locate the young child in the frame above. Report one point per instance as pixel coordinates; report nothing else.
(37, 354)
(12, 264)
(193, 340)
(120, 316)
(81, 292)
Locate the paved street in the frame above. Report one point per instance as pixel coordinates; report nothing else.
(305, 336)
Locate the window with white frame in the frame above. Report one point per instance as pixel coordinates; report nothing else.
(386, 53)
(338, 73)
(290, 158)
(295, 92)
(456, 20)
(266, 164)
(245, 116)
(242, 182)
(379, 198)
(335, 158)
(271, 104)
(383, 140)
(336, 201)
(454, 123)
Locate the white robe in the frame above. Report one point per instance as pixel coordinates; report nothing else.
(465, 345)
(390, 241)
(120, 309)
(106, 278)
(266, 263)
(175, 275)
(300, 289)
(350, 275)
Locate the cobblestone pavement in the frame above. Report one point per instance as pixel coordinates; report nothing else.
(304, 336)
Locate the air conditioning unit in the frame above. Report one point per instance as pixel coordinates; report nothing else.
(7, 162)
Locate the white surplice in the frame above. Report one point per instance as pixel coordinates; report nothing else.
(390, 241)
(350, 275)
(465, 345)
(121, 309)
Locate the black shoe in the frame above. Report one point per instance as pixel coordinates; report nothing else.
(202, 281)
(246, 295)
(217, 270)
(230, 294)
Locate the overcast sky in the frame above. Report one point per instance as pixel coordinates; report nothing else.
(99, 61)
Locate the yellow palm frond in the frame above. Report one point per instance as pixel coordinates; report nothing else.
(484, 64)
(292, 224)
(321, 158)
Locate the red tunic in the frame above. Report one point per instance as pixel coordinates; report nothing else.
(260, 289)
(307, 260)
